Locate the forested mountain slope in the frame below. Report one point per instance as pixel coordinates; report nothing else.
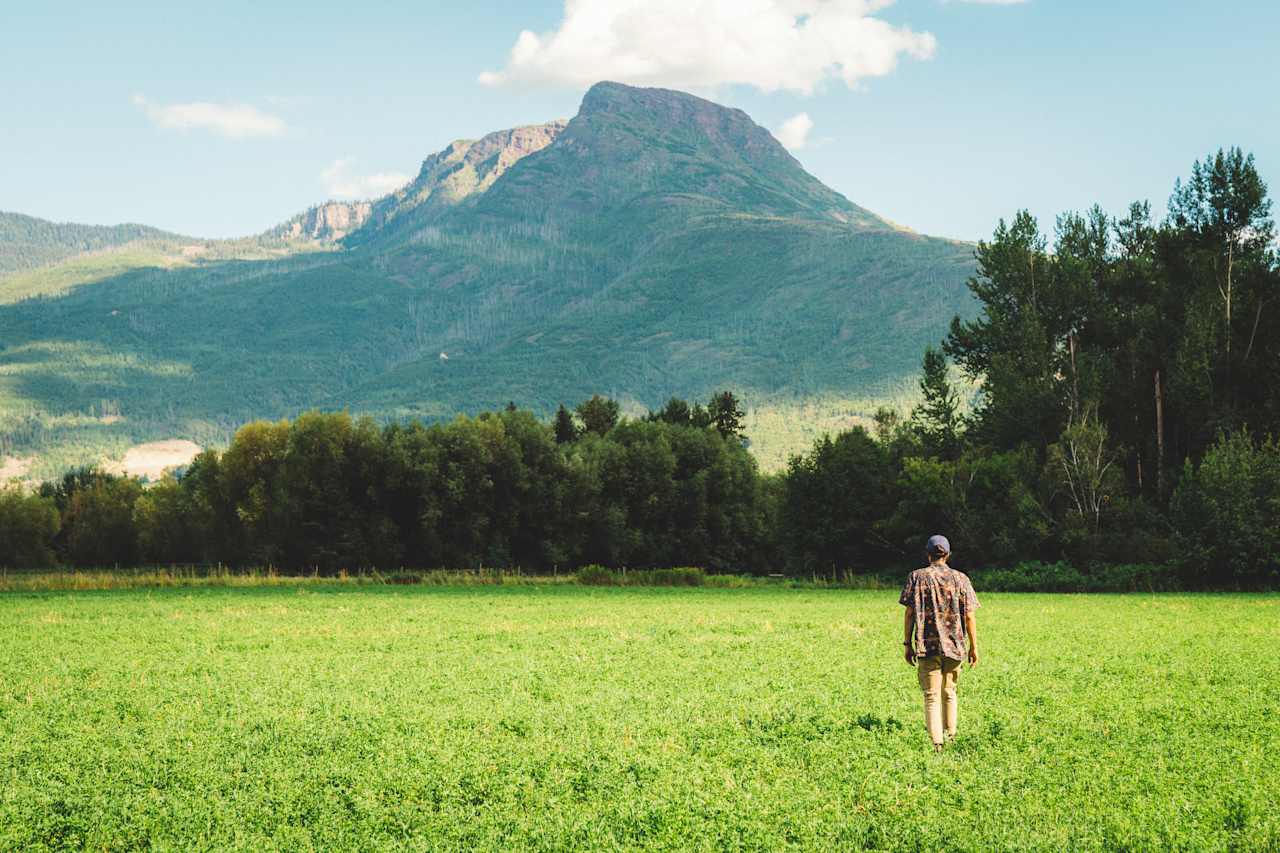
(27, 242)
(656, 244)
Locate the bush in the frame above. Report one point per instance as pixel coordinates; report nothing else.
(987, 502)
(1064, 577)
(667, 577)
(99, 523)
(594, 575)
(1133, 577)
(1031, 577)
(1226, 514)
(833, 499)
(28, 524)
(731, 581)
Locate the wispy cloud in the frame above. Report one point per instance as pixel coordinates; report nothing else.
(340, 182)
(794, 132)
(233, 121)
(770, 44)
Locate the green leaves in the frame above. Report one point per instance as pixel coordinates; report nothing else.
(1225, 512)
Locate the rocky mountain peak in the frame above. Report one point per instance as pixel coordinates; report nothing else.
(630, 145)
(463, 168)
(324, 223)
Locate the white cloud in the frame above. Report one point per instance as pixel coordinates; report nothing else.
(234, 121)
(340, 183)
(701, 44)
(794, 132)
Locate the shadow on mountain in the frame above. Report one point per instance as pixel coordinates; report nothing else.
(460, 323)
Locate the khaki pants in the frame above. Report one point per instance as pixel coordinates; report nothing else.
(938, 677)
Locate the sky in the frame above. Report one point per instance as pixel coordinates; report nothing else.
(222, 119)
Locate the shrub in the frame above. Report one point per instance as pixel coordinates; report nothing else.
(99, 523)
(1031, 577)
(28, 524)
(594, 575)
(667, 577)
(731, 581)
(1225, 513)
(1133, 577)
(988, 502)
(1064, 577)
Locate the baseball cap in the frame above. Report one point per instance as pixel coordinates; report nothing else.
(938, 544)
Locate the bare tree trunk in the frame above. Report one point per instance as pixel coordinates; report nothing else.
(1159, 438)
(1254, 333)
(1227, 295)
(1137, 450)
(1075, 378)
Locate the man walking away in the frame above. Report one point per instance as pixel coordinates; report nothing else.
(940, 603)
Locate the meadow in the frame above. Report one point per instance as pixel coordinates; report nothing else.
(553, 716)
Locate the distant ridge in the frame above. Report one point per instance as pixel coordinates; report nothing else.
(28, 243)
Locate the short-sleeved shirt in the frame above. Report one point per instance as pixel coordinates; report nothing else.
(941, 596)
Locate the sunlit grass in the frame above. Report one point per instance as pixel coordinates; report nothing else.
(549, 716)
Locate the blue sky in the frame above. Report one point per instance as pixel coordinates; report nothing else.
(222, 119)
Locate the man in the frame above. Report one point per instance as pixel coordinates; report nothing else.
(940, 603)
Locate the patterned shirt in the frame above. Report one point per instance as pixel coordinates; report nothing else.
(941, 597)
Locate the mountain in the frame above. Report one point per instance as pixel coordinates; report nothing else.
(655, 244)
(652, 148)
(323, 223)
(467, 167)
(28, 243)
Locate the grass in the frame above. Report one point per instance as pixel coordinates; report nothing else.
(545, 716)
(196, 577)
(199, 576)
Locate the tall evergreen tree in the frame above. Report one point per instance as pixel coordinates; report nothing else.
(725, 415)
(1015, 346)
(1221, 238)
(565, 429)
(599, 414)
(676, 412)
(1224, 207)
(936, 420)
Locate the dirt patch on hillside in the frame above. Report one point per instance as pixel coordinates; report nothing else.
(14, 468)
(153, 458)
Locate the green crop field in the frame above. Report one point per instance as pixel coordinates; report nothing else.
(553, 716)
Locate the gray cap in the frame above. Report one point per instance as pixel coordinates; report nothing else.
(938, 544)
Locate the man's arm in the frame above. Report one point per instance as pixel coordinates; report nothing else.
(971, 629)
(908, 634)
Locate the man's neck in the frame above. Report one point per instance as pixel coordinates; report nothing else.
(939, 564)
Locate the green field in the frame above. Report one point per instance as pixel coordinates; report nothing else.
(554, 717)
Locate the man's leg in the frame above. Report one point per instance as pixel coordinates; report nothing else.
(929, 671)
(950, 675)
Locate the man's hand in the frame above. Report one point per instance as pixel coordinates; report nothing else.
(909, 634)
(971, 631)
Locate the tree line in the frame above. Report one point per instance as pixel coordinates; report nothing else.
(1124, 410)
(326, 491)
